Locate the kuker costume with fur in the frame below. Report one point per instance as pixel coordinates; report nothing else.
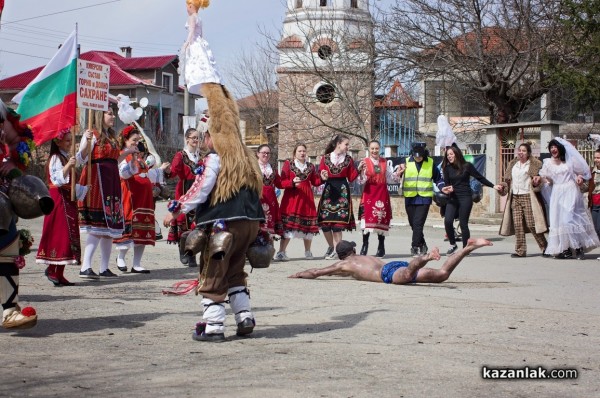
(20, 196)
(225, 196)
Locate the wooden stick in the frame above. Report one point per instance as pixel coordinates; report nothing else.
(89, 162)
(73, 197)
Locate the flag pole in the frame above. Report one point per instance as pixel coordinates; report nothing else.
(73, 170)
(89, 160)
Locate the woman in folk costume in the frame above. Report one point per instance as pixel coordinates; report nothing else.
(15, 141)
(228, 216)
(335, 206)
(268, 200)
(298, 211)
(60, 244)
(524, 211)
(375, 209)
(185, 167)
(138, 203)
(571, 226)
(101, 213)
(197, 62)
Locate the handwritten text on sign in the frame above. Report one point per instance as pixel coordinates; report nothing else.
(92, 85)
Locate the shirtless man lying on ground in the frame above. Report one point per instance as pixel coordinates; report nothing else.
(372, 269)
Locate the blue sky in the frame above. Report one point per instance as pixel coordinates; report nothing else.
(150, 27)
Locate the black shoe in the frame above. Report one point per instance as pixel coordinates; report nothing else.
(245, 327)
(88, 274)
(546, 255)
(515, 255)
(579, 254)
(122, 269)
(211, 337)
(423, 249)
(158, 237)
(452, 250)
(139, 271)
(414, 251)
(107, 274)
(380, 252)
(64, 282)
(363, 250)
(565, 255)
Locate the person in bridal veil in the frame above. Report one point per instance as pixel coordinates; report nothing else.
(571, 226)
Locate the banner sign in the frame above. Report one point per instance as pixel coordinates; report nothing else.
(92, 85)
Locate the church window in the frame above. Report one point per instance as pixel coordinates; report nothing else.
(325, 93)
(353, 3)
(298, 3)
(324, 52)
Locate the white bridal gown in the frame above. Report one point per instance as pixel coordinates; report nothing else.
(570, 223)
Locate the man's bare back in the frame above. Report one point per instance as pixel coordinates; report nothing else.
(368, 268)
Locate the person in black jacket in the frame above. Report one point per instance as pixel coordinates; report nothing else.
(457, 173)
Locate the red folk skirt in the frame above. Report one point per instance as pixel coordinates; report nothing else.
(138, 211)
(60, 244)
(375, 210)
(273, 223)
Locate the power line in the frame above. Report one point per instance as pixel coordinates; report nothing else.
(60, 12)
(25, 55)
(61, 33)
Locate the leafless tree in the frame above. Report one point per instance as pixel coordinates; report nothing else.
(253, 77)
(326, 77)
(491, 51)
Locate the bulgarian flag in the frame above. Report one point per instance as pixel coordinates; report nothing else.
(48, 103)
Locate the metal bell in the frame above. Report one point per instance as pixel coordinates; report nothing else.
(219, 244)
(6, 214)
(195, 242)
(30, 197)
(260, 256)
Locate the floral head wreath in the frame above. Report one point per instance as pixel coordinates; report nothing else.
(127, 131)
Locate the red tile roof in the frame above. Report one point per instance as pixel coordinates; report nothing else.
(119, 67)
(139, 63)
(397, 98)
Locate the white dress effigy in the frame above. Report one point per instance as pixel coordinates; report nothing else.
(198, 65)
(570, 223)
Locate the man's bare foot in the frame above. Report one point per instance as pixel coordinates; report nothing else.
(434, 254)
(476, 243)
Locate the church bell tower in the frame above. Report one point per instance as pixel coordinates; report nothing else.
(325, 74)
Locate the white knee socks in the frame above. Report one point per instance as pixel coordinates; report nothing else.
(105, 248)
(91, 243)
(138, 251)
(121, 252)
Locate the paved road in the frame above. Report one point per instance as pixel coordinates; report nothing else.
(331, 337)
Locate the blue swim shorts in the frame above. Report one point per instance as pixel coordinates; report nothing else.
(388, 270)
